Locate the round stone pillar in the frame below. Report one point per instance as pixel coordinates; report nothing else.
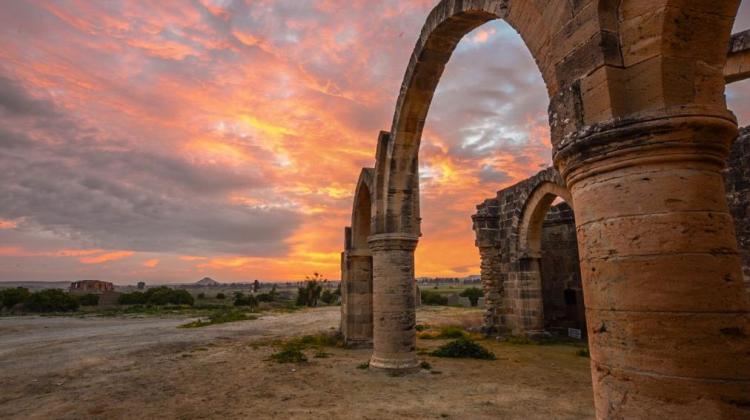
(394, 316)
(667, 316)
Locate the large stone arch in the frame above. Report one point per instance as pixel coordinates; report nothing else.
(640, 135)
(356, 267)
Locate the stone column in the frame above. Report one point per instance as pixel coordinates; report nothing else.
(668, 323)
(394, 316)
(359, 298)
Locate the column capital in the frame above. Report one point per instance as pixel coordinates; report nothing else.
(393, 241)
(668, 135)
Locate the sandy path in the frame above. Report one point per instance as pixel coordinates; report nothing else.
(148, 368)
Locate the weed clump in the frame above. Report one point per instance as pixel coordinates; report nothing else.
(292, 350)
(289, 354)
(464, 348)
(584, 352)
(451, 331)
(363, 366)
(220, 318)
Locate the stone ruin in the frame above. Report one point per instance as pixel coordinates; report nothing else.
(640, 135)
(530, 271)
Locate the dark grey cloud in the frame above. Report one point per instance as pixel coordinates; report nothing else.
(15, 101)
(77, 185)
(491, 175)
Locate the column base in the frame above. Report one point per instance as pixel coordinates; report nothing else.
(395, 365)
(358, 343)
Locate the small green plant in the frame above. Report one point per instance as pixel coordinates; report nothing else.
(464, 348)
(422, 327)
(363, 366)
(289, 354)
(584, 352)
(425, 365)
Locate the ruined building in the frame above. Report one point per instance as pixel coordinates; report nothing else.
(529, 253)
(641, 135)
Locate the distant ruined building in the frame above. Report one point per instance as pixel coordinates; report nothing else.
(91, 287)
(641, 136)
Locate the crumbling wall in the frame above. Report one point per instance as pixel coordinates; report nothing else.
(737, 181)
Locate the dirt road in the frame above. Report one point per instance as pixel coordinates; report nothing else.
(149, 368)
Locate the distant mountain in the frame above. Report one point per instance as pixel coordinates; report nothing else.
(207, 281)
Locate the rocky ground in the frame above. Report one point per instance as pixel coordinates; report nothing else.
(148, 368)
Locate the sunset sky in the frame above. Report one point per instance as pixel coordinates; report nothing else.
(166, 141)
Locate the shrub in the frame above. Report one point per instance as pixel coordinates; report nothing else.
(584, 352)
(164, 296)
(451, 331)
(328, 297)
(473, 294)
(157, 296)
(289, 353)
(422, 327)
(433, 298)
(241, 300)
(265, 297)
(134, 298)
(220, 317)
(89, 300)
(464, 348)
(11, 297)
(51, 300)
(221, 296)
(309, 294)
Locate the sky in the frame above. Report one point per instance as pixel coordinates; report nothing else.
(168, 141)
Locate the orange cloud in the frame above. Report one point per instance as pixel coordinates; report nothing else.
(152, 263)
(107, 257)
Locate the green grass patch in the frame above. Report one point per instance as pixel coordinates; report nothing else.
(464, 348)
(222, 317)
(289, 354)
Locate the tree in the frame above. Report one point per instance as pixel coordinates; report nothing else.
(309, 294)
(11, 297)
(241, 300)
(473, 294)
(51, 300)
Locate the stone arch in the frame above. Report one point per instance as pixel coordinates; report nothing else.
(533, 213)
(356, 267)
(362, 210)
(446, 25)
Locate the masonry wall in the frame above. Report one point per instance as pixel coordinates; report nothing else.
(561, 273)
(737, 181)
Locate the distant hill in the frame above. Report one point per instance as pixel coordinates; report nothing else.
(207, 281)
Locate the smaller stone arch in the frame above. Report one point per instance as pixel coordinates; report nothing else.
(509, 237)
(356, 266)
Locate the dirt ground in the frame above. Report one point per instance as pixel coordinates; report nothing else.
(147, 368)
